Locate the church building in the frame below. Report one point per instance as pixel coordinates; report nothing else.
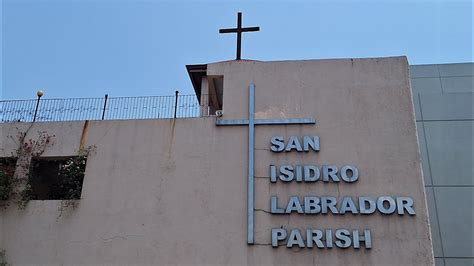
(306, 162)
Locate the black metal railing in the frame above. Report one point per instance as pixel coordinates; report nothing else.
(107, 108)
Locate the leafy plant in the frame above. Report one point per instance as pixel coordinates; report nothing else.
(72, 173)
(7, 170)
(72, 176)
(15, 184)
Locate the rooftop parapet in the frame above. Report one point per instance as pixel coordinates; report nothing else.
(107, 108)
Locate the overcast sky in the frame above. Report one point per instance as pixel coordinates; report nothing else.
(72, 48)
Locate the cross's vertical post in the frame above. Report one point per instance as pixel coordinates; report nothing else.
(239, 35)
(250, 194)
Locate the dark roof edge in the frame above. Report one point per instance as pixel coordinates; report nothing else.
(196, 72)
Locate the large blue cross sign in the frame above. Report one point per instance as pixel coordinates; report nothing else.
(252, 122)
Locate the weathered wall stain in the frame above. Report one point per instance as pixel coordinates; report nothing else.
(85, 129)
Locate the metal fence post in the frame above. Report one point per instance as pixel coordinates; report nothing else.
(105, 105)
(175, 103)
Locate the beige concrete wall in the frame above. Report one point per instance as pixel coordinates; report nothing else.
(174, 192)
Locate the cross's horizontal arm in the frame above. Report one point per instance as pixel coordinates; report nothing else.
(251, 29)
(282, 121)
(232, 30)
(228, 30)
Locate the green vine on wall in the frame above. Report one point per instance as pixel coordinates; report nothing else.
(15, 181)
(28, 150)
(33, 147)
(72, 173)
(17, 172)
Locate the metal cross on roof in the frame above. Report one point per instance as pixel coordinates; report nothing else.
(251, 122)
(239, 31)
